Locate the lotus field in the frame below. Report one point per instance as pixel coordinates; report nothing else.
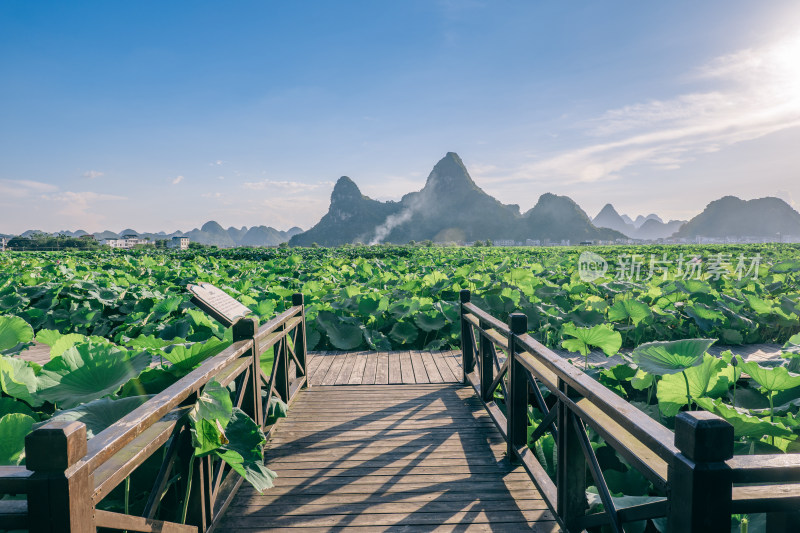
(120, 326)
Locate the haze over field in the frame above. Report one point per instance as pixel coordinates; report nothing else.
(165, 116)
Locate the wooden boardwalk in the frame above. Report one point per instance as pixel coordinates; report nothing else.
(384, 368)
(417, 457)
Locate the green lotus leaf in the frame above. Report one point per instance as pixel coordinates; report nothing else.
(403, 332)
(783, 267)
(87, 372)
(187, 356)
(243, 451)
(670, 357)
(13, 429)
(145, 342)
(13, 332)
(12, 405)
(705, 379)
(632, 310)
(430, 321)
(377, 340)
(100, 414)
(793, 344)
(771, 379)
(18, 380)
(209, 417)
(744, 425)
(642, 380)
(343, 336)
(601, 336)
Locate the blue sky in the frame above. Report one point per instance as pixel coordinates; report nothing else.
(163, 115)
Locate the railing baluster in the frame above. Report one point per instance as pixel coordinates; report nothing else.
(282, 364)
(247, 329)
(700, 481)
(300, 336)
(486, 349)
(60, 497)
(467, 340)
(571, 472)
(517, 399)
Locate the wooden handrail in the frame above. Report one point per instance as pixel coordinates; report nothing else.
(69, 475)
(112, 439)
(648, 431)
(693, 466)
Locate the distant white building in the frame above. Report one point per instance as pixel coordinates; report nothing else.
(504, 242)
(3, 243)
(126, 242)
(178, 243)
(533, 242)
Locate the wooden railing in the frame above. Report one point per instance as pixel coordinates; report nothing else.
(693, 468)
(67, 477)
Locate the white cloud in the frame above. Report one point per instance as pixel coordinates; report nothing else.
(24, 188)
(757, 93)
(177, 180)
(285, 186)
(93, 174)
(217, 163)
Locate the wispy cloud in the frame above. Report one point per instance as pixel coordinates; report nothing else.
(217, 163)
(93, 174)
(24, 188)
(177, 180)
(84, 208)
(286, 186)
(757, 92)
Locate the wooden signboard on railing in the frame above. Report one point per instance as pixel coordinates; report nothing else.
(214, 301)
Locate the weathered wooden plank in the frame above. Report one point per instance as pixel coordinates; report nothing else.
(534, 527)
(406, 370)
(374, 488)
(326, 360)
(386, 519)
(382, 370)
(333, 372)
(766, 498)
(430, 368)
(395, 376)
(256, 508)
(476, 495)
(314, 361)
(417, 456)
(420, 375)
(454, 362)
(444, 369)
(347, 368)
(137, 523)
(359, 364)
(370, 369)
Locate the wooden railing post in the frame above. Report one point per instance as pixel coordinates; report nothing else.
(467, 352)
(281, 362)
(571, 470)
(300, 338)
(247, 329)
(517, 403)
(485, 348)
(60, 499)
(700, 482)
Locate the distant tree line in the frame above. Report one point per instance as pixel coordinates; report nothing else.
(44, 241)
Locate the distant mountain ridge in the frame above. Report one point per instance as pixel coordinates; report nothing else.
(761, 218)
(648, 228)
(449, 208)
(210, 233)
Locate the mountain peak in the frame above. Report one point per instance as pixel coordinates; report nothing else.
(345, 190)
(212, 227)
(449, 172)
(608, 210)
